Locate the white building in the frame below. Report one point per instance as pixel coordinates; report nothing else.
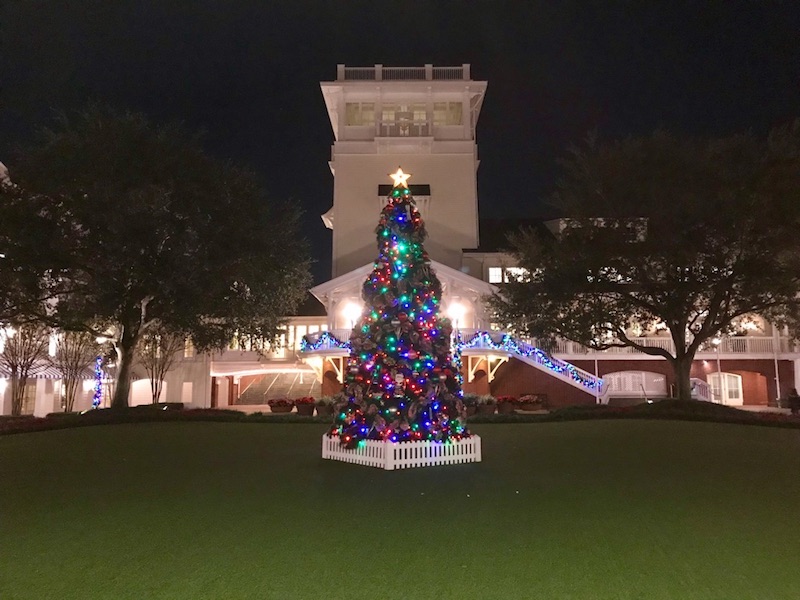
(425, 120)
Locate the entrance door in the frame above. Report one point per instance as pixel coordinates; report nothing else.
(726, 389)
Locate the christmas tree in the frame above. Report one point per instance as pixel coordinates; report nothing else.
(401, 383)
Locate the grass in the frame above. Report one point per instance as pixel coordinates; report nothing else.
(605, 509)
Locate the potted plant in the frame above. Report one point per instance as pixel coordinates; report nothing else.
(471, 403)
(531, 402)
(486, 405)
(325, 406)
(280, 405)
(305, 406)
(506, 404)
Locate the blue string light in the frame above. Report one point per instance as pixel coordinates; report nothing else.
(97, 398)
(481, 339)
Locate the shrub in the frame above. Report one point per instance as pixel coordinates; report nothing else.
(471, 399)
(325, 401)
(487, 399)
(280, 402)
(507, 400)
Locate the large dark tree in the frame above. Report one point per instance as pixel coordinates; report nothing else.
(687, 234)
(144, 228)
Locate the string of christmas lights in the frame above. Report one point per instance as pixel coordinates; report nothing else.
(97, 397)
(482, 339)
(325, 340)
(508, 344)
(401, 382)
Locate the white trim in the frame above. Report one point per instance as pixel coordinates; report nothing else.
(356, 278)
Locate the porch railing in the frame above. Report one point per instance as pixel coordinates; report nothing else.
(728, 345)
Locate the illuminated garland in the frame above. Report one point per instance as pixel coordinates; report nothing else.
(97, 398)
(509, 344)
(483, 339)
(326, 340)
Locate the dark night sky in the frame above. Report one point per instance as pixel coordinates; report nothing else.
(248, 73)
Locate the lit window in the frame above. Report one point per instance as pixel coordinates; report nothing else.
(495, 275)
(514, 273)
(447, 113)
(359, 113)
(188, 348)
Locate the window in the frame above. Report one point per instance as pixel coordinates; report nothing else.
(360, 113)
(642, 384)
(504, 275)
(514, 273)
(730, 392)
(447, 113)
(188, 348)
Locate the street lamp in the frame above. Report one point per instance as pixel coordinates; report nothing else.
(720, 382)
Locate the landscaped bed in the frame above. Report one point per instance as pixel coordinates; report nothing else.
(664, 409)
(589, 509)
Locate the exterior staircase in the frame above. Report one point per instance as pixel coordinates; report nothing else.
(496, 343)
(499, 342)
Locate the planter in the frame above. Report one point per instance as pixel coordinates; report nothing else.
(307, 410)
(471, 410)
(325, 410)
(531, 406)
(281, 409)
(486, 409)
(506, 408)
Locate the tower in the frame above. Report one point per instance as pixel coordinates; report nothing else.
(423, 118)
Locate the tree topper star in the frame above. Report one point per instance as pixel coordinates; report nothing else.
(400, 178)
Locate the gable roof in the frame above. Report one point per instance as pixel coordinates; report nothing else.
(352, 281)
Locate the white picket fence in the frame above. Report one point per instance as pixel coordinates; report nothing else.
(404, 455)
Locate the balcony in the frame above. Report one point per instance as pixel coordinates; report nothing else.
(404, 129)
(729, 346)
(424, 73)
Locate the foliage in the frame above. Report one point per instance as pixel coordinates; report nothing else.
(401, 382)
(143, 228)
(280, 402)
(471, 399)
(75, 353)
(24, 355)
(507, 400)
(325, 401)
(305, 400)
(686, 234)
(487, 399)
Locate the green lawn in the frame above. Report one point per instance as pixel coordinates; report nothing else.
(580, 510)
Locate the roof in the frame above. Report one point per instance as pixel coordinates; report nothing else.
(45, 370)
(493, 236)
(353, 281)
(310, 307)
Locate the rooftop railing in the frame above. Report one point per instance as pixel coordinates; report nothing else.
(382, 73)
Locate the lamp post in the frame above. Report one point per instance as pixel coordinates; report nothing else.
(720, 382)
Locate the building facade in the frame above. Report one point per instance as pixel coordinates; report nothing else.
(424, 119)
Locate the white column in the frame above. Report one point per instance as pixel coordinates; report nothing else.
(45, 398)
